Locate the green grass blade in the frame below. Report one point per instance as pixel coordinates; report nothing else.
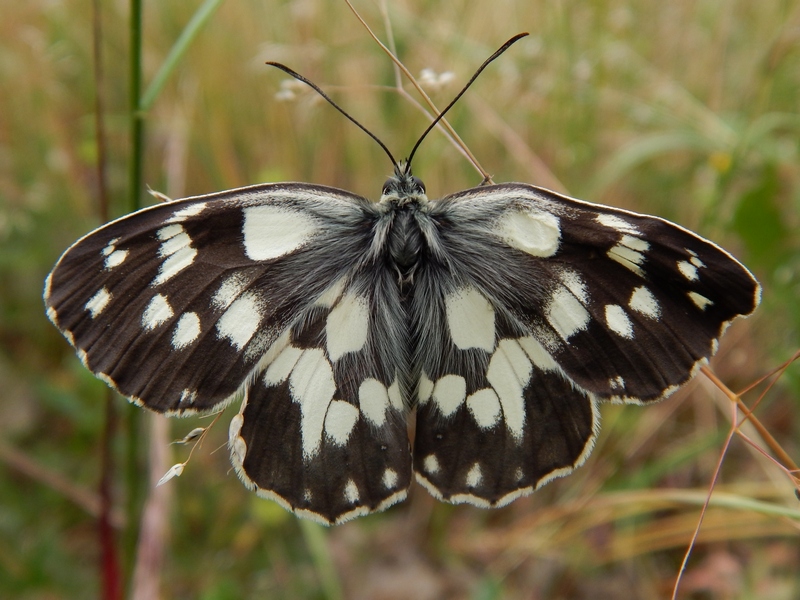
(190, 32)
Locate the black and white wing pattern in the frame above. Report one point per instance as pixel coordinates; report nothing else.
(504, 313)
(532, 308)
(270, 291)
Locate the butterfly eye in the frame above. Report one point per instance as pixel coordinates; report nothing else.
(389, 186)
(418, 185)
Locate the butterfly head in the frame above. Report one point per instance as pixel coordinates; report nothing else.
(403, 188)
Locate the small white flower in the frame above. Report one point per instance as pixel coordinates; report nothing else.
(430, 79)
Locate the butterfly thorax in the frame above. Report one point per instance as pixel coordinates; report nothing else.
(405, 241)
(404, 201)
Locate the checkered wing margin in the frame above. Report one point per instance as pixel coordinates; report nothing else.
(539, 307)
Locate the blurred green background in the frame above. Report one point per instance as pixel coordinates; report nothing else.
(685, 109)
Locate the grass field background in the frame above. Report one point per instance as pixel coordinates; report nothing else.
(687, 109)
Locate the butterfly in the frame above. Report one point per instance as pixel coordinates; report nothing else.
(501, 316)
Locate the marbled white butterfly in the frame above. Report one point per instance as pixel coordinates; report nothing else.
(503, 314)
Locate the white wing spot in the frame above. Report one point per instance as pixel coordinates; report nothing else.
(395, 397)
(186, 331)
(615, 222)
(96, 303)
(537, 353)
(340, 420)
(643, 302)
(474, 476)
(616, 383)
(574, 284)
(373, 399)
(618, 321)
(470, 319)
(307, 495)
(389, 479)
(534, 232)
(351, 492)
(273, 231)
(158, 311)
(228, 291)
(449, 393)
(634, 243)
(112, 245)
(697, 262)
(347, 326)
(312, 386)
(280, 368)
(484, 406)
(566, 314)
(174, 244)
(700, 302)
(688, 270)
(431, 464)
(184, 213)
(170, 231)
(174, 264)
(509, 373)
(116, 258)
(627, 257)
(240, 321)
(425, 388)
(518, 474)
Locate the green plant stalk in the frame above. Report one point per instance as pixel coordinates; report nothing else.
(132, 417)
(138, 106)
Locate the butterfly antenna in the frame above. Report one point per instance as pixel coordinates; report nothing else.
(485, 64)
(317, 89)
